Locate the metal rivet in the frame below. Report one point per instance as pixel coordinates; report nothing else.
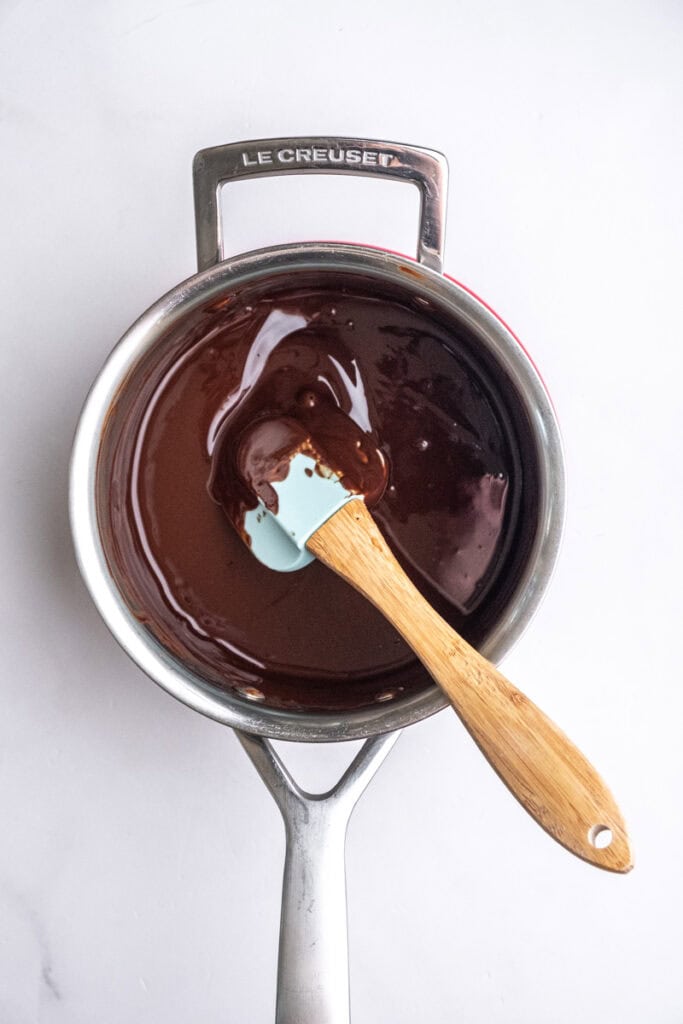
(251, 693)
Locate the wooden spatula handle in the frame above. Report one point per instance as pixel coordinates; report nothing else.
(545, 771)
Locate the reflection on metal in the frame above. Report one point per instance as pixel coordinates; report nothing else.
(425, 168)
(313, 972)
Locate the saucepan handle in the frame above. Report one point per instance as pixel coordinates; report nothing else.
(218, 165)
(313, 972)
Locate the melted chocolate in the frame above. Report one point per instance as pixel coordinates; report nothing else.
(323, 352)
(245, 466)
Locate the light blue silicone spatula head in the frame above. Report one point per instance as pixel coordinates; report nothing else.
(307, 497)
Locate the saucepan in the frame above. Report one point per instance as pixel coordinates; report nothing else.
(313, 964)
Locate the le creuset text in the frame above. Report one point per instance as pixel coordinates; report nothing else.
(316, 155)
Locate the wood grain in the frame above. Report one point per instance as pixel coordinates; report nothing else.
(542, 768)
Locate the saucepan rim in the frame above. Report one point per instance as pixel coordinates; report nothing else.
(167, 671)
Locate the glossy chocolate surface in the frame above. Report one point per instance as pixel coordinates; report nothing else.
(246, 463)
(458, 507)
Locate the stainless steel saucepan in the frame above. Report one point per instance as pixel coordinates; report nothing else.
(313, 963)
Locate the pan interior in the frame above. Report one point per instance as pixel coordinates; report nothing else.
(307, 643)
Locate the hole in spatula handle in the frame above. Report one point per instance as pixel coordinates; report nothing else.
(600, 836)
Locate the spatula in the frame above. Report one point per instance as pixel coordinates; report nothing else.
(315, 515)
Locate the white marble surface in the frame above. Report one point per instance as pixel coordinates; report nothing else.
(140, 856)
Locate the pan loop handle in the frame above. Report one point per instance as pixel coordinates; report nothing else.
(313, 970)
(425, 168)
